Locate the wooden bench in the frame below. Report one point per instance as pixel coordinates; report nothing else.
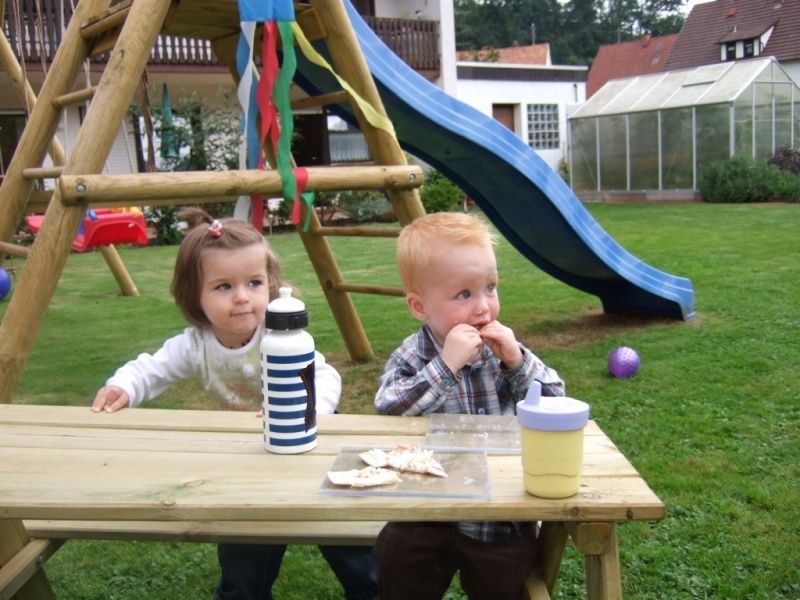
(48, 535)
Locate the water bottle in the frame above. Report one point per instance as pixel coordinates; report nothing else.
(287, 377)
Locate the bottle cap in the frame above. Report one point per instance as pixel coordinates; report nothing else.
(285, 312)
(551, 413)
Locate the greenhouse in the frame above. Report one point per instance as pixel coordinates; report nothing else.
(658, 131)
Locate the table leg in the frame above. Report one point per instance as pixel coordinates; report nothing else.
(552, 542)
(598, 543)
(14, 539)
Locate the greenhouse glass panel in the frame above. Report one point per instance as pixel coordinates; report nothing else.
(583, 138)
(712, 135)
(743, 124)
(764, 145)
(613, 153)
(676, 148)
(783, 114)
(687, 95)
(796, 142)
(643, 135)
(766, 74)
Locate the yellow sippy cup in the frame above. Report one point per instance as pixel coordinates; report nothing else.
(552, 442)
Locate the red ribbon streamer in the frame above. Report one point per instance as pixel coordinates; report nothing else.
(301, 175)
(269, 72)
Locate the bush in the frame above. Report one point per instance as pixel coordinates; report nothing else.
(786, 158)
(438, 193)
(365, 206)
(165, 221)
(788, 186)
(739, 179)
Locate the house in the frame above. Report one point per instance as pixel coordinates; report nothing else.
(727, 30)
(520, 87)
(626, 59)
(422, 32)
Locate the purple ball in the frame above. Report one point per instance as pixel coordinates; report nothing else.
(623, 362)
(5, 283)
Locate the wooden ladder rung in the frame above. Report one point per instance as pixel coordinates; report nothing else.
(119, 190)
(42, 172)
(14, 250)
(357, 288)
(355, 231)
(321, 100)
(107, 21)
(74, 97)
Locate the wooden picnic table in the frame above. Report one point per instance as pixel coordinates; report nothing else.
(66, 472)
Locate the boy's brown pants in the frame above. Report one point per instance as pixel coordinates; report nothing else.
(418, 560)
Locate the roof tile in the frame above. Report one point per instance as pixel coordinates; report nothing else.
(626, 59)
(712, 23)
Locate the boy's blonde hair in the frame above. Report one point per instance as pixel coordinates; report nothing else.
(232, 235)
(414, 254)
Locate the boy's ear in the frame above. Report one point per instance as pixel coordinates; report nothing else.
(415, 305)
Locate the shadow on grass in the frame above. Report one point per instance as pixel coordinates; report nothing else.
(589, 327)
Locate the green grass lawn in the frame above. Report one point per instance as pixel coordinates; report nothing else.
(712, 420)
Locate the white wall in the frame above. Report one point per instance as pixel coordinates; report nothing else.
(482, 94)
(121, 159)
(792, 69)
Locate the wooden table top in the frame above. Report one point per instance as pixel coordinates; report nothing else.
(154, 464)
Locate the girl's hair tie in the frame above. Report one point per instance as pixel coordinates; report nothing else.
(215, 229)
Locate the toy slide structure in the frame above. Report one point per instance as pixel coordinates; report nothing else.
(526, 200)
(103, 227)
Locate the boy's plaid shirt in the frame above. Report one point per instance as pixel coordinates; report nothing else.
(416, 381)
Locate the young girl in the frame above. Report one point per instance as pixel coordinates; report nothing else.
(225, 275)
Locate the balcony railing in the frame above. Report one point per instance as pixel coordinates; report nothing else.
(415, 41)
(34, 28)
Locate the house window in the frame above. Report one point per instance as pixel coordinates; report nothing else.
(749, 48)
(730, 51)
(543, 130)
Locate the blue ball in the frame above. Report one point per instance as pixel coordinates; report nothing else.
(5, 283)
(623, 362)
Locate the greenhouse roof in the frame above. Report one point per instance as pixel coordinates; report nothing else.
(706, 84)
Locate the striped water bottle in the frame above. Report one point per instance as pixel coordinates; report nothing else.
(287, 377)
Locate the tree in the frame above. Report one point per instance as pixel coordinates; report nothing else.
(574, 30)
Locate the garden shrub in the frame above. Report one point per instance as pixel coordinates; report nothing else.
(739, 179)
(786, 158)
(438, 193)
(165, 221)
(365, 206)
(788, 186)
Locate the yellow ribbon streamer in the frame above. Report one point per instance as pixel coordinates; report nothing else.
(373, 116)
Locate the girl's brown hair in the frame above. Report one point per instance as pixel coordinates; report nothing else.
(232, 234)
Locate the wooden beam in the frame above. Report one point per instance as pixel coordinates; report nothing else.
(321, 100)
(24, 565)
(14, 540)
(187, 185)
(42, 172)
(114, 17)
(367, 289)
(75, 97)
(357, 231)
(14, 250)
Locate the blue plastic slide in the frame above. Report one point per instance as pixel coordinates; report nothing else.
(524, 198)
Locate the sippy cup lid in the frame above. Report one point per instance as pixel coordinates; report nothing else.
(551, 413)
(286, 312)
